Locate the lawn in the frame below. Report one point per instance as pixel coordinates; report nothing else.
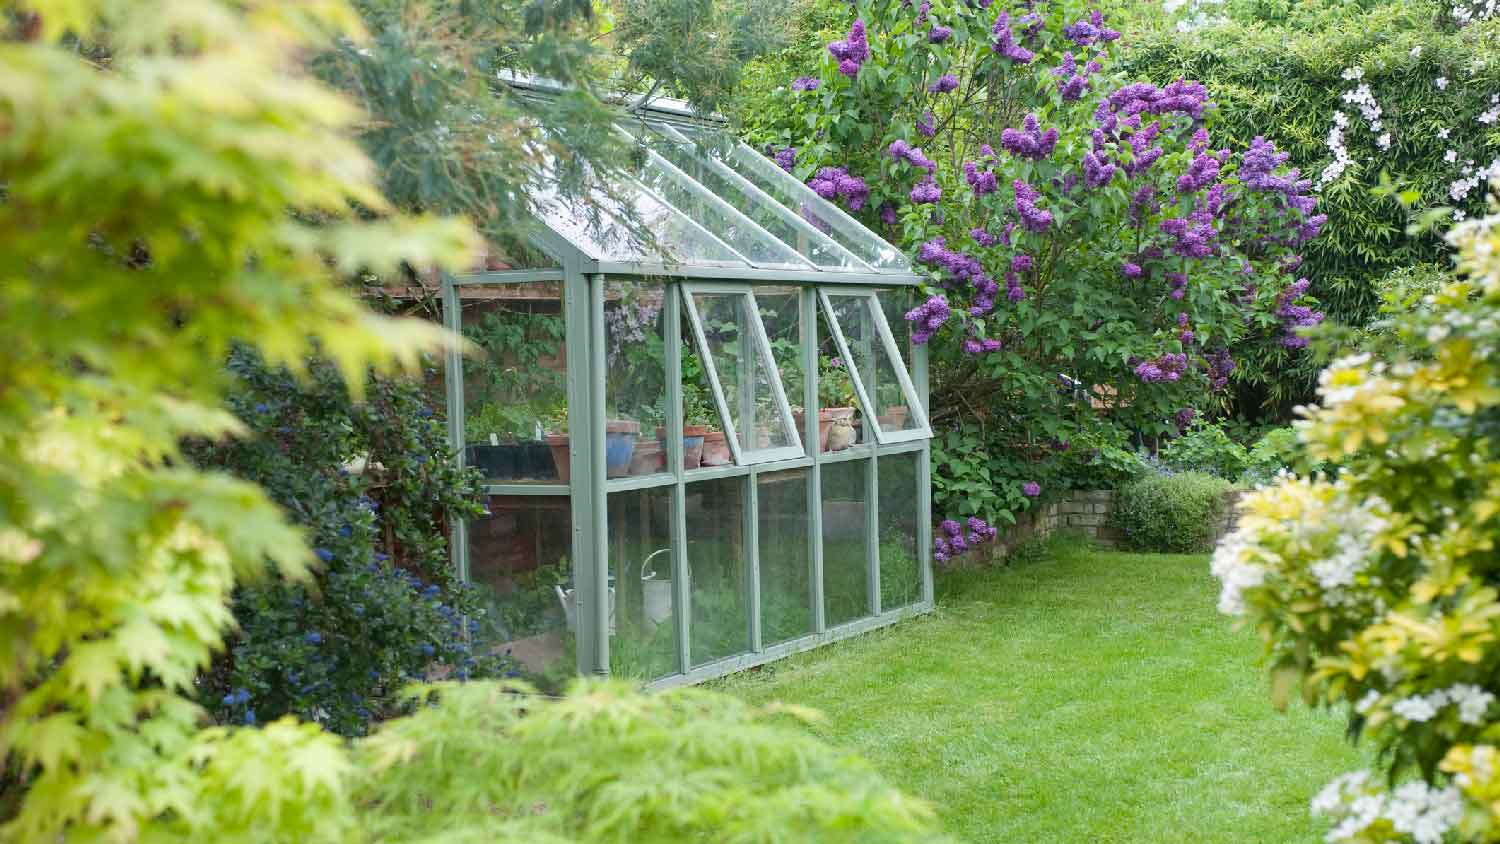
(1080, 696)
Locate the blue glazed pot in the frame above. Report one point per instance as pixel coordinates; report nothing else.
(619, 445)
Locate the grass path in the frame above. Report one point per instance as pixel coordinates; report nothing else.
(1081, 697)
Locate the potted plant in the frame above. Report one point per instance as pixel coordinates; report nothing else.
(650, 454)
(501, 441)
(555, 422)
(620, 435)
(836, 417)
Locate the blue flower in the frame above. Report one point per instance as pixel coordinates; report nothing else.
(323, 554)
(314, 638)
(428, 649)
(250, 717)
(262, 407)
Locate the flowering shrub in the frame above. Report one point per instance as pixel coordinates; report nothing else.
(1170, 513)
(1092, 254)
(1206, 448)
(385, 606)
(1378, 589)
(1352, 90)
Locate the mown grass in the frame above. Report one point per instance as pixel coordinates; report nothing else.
(1080, 696)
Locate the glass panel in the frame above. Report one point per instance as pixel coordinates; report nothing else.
(897, 302)
(785, 188)
(840, 418)
(635, 381)
(747, 378)
(516, 387)
(846, 571)
(858, 318)
(786, 610)
(718, 217)
(717, 565)
(594, 223)
(518, 563)
(900, 569)
(703, 439)
(781, 314)
(793, 232)
(643, 643)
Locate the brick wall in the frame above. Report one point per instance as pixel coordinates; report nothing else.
(1085, 512)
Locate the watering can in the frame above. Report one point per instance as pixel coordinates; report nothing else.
(570, 608)
(656, 591)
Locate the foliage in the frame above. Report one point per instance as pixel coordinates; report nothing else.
(1091, 258)
(151, 155)
(449, 134)
(385, 607)
(1378, 588)
(684, 765)
(1171, 513)
(1278, 449)
(1206, 448)
(515, 381)
(1294, 72)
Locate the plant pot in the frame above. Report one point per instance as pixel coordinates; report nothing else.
(826, 418)
(692, 445)
(558, 445)
(716, 449)
(536, 461)
(619, 445)
(649, 458)
(894, 418)
(494, 461)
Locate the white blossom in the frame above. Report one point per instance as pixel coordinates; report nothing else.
(1442, 83)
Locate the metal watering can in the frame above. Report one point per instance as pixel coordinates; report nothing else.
(656, 596)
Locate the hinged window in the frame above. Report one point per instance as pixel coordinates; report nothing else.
(881, 380)
(742, 374)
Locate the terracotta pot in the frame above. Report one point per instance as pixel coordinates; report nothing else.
(692, 445)
(559, 445)
(619, 445)
(825, 424)
(894, 418)
(716, 449)
(649, 458)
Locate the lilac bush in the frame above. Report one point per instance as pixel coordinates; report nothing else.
(1075, 226)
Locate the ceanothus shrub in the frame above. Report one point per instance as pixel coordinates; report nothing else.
(1376, 591)
(1093, 257)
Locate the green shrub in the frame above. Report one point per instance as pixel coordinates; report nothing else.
(1176, 514)
(1207, 449)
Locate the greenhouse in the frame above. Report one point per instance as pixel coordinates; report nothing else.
(704, 449)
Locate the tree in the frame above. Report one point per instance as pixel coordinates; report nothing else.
(1092, 255)
(151, 155)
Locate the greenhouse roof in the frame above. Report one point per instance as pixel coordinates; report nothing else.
(710, 207)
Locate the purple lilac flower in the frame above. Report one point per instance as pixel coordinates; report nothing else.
(927, 124)
(1029, 141)
(1200, 174)
(982, 237)
(836, 182)
(1219, 365)
(1193, 236)
(1141, 204)
(926, 192)
(1031, 489)
(1182, 319)
(903, 151)
(1091, 31)
(952, 527)
(1185, 417)
(1097, 170)
(927, 318)
(923, 10)
(1131, 270)
(1032, 217)
(1005, 41)
(1021, 262)
(1294, 316)
(806, 83)
(945, 83)
(1169, 368)
(786, 158)
(1186, 337)
(1070, 83)
(1177, 285)
(981, 181)
(938, 34)
(1013, 289)
(888, 213)
(853, 51)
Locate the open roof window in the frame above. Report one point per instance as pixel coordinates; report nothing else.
(735, 351)
(881, 379)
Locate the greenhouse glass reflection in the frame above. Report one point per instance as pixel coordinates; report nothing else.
(704, 448)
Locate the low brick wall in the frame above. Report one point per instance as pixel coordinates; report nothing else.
(1085, 512)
